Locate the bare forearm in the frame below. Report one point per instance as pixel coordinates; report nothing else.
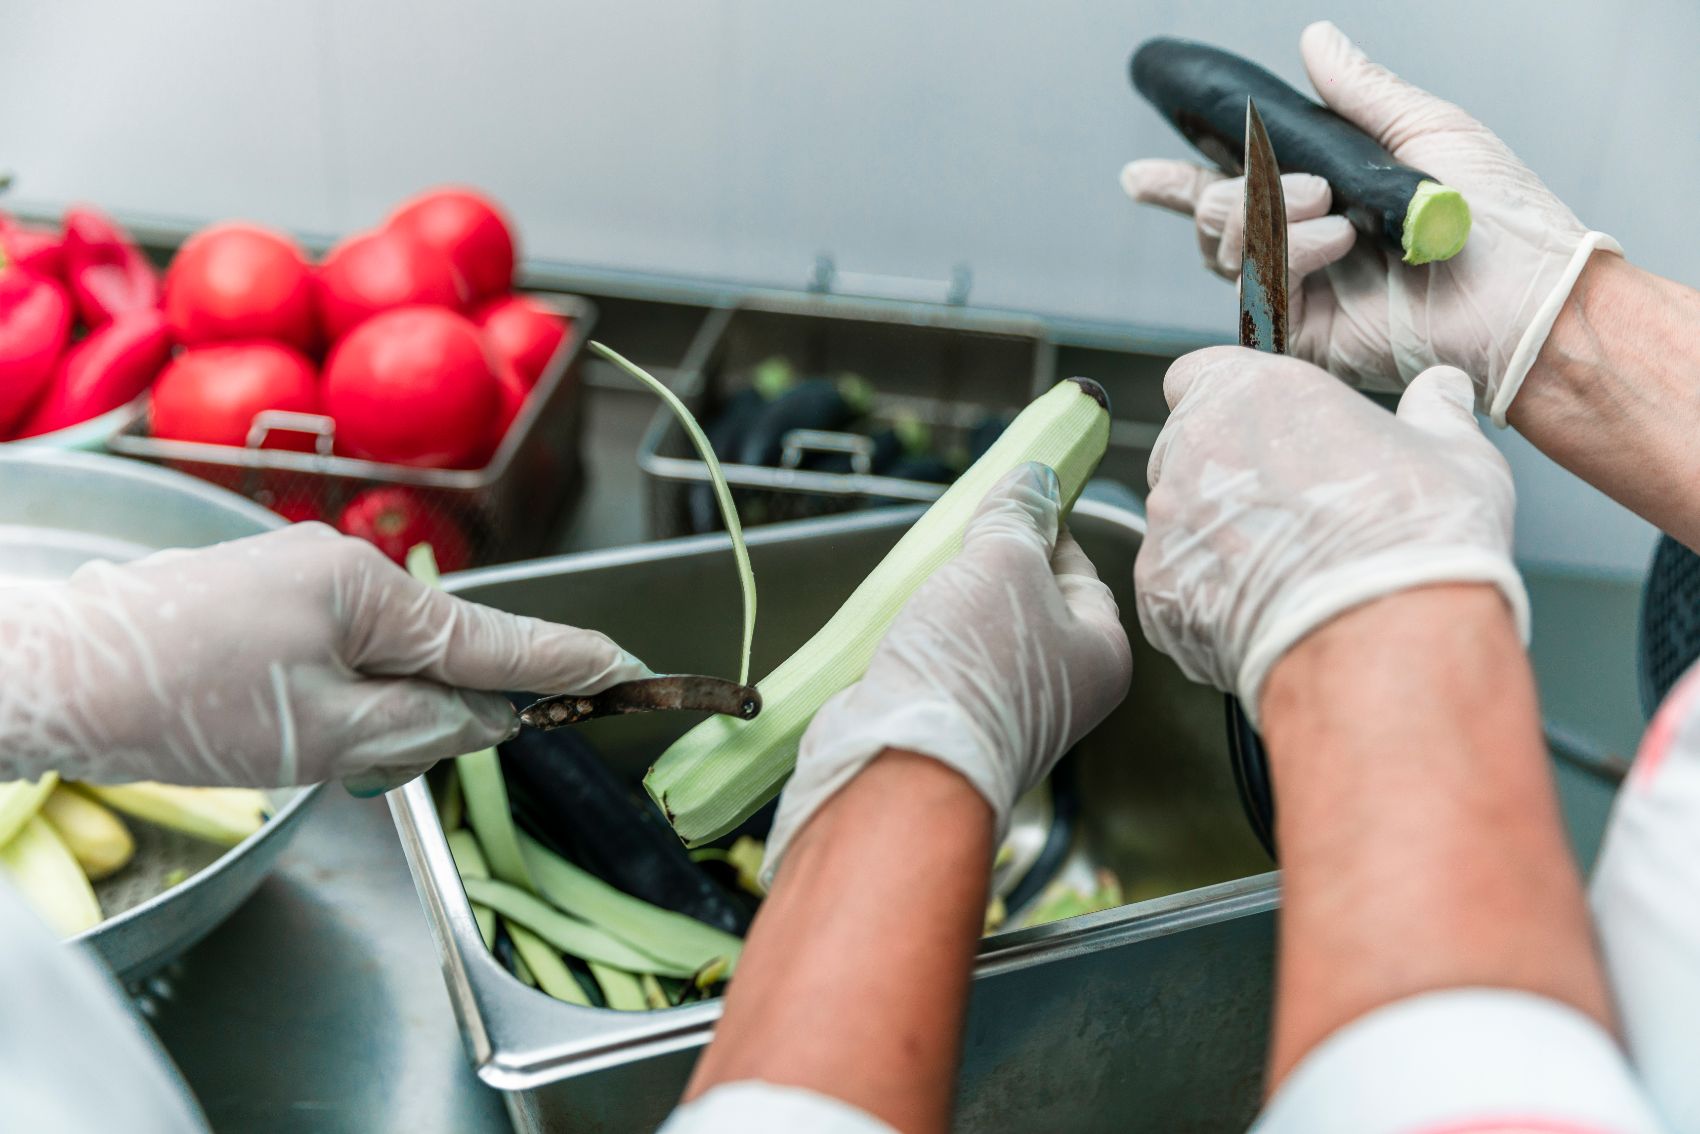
(1615, 394)
(855, 978)
(1420, 836)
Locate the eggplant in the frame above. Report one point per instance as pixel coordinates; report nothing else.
(568, 798)
(925, 467)
(1202, 91)
(724, 434)
(888, 447)
(815, 403)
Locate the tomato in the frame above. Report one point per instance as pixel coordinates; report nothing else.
(396, 519)
(525, 332)
(376, 271)
(37, 250)
(211, 393)
(241, 281)
(298, 503)
(468, 228)
(35, 322)
(414, 386)
(513, 400)
(103, 371)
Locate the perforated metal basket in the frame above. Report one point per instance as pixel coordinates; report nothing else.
(505, 510)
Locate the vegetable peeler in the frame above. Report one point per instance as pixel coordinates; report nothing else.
(646, 695)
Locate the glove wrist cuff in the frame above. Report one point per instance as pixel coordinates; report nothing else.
(1327, 596)
(1534, 338)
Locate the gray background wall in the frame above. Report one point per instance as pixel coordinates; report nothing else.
(737, 139)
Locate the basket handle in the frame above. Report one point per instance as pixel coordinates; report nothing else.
(267, 422)
(800, 442)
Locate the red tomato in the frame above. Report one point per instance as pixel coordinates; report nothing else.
(297, 505)
(38, 250)
(513, 400)
(35, 321)
(397, 519)
(375, 271)
(468, 228)
(104, 371)
(241, 281)
(525, 332)
(414, 386)
(211, 393)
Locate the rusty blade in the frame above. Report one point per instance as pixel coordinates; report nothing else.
(646, 695)
(1263, 263)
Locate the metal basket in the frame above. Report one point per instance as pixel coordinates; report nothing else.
(946, 367)
(506, 510)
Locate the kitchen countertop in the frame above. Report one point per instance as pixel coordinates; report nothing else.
(320, 1006)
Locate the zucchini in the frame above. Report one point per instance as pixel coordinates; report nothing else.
(469, 863)
(662, 933)
(97, 838)
(222, 815)
(548, 971)
(1202, 91)
(20, 800)
(570, 800)
(47, 874)
(567, 934)
(717, 775)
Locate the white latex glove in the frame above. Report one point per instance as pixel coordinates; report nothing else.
(1356, 307)
(755, 1107)
(1009, 654)
(286, 658)
(1280, 499)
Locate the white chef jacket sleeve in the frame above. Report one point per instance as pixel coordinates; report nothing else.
(1464, 1061)
(1646, 900)
(74, 1056)
(762, 1108)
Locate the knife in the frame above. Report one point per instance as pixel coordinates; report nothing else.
(1263, 326)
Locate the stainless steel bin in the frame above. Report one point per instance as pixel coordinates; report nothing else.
(1147, 1017)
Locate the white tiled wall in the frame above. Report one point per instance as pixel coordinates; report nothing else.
(737, 139)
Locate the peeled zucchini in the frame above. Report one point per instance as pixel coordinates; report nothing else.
(715, 776)
(97, 838)
(47, 875)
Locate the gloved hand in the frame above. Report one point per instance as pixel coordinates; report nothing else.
(1280, 499)
(1009, 654)
(285, 658)
(1356, 308)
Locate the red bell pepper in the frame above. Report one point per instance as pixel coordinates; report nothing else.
(104, 371)
(106, 272)
(34, 249)
(35, 321)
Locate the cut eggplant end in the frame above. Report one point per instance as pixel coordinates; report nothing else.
(1092, 390)
(1437, 223)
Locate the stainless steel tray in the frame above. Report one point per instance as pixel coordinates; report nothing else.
(58, 511)
(507, 509)
(1147, 1017)
(946, 367)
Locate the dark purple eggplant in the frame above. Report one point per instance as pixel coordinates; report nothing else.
(1202, 91)
(570, 800)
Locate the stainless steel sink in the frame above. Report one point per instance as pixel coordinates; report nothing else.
(1151, 1016)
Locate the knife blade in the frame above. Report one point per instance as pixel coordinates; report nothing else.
(1263, 326)
(1263, 262)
